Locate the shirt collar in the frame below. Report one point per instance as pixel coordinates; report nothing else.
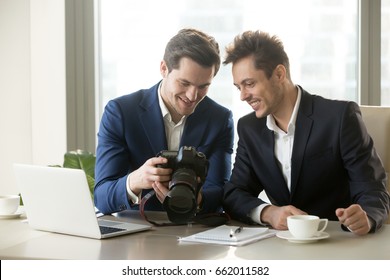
(271, 124)
(164, 110)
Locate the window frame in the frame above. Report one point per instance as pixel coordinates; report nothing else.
(83, 78)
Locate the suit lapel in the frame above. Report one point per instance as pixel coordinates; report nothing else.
(152, 121)
(302, 132)
(268, 138)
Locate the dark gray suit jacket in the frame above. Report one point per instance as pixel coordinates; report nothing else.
(334, 164)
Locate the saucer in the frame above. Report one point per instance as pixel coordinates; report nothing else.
(11, 216)
(287, 235)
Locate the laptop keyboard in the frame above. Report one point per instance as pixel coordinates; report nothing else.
(105, 230)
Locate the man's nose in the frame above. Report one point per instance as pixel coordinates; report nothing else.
(244, 95)
(192, 93)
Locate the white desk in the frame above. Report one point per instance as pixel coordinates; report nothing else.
(19, 241)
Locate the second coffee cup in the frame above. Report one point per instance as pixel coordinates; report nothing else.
(305, 226)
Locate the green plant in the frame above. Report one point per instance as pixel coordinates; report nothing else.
(84, 160)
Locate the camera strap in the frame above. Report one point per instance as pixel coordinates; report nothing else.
(143, 214)
(211, 219)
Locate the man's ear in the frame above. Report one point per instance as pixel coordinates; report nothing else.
(163, 69)
(280, 72)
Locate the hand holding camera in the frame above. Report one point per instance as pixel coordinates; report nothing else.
(147, 174)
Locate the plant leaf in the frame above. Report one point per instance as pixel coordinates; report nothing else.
(84, 160)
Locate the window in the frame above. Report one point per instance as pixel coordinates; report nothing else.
(385, 53)
(320, 37)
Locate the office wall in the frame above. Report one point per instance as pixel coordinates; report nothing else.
(32, 85)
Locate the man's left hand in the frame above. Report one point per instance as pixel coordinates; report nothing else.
(355, 219)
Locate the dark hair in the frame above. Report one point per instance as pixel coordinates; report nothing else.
(268, 52)
(193, 44)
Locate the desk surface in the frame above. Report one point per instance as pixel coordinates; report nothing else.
(19, 241)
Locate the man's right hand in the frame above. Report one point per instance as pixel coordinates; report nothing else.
(277, 216)
(148, 173)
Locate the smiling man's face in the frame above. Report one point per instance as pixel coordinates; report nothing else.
(184, 88)
(262, 94)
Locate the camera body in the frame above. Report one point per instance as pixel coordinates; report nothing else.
(188, 165)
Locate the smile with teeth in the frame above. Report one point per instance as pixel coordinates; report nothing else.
(186, 101)
(253, 104)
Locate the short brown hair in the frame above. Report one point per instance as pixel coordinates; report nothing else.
(193, 44)
(268, 52)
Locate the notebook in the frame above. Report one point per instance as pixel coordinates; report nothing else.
(229, 235)
(58, 200)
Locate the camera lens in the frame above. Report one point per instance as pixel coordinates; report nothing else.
(181, 199)
(180, 202)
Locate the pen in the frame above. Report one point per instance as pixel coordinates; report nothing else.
(234, 232)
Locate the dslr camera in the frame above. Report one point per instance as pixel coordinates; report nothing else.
(188, 165)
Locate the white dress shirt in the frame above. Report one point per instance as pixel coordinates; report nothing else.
(173, 133)
(283, 150)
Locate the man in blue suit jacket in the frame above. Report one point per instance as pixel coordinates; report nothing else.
(309, 154)
(173, 113)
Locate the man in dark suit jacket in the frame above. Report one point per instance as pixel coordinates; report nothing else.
(173, 113)
(309, 154)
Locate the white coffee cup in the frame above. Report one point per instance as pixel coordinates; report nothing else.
(305, 226)
(9, 204)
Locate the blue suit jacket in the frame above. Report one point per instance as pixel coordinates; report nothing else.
(334, 164)
(132, 131)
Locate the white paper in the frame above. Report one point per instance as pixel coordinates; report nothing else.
(221, 235)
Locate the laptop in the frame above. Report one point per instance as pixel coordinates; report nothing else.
(58, 200)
